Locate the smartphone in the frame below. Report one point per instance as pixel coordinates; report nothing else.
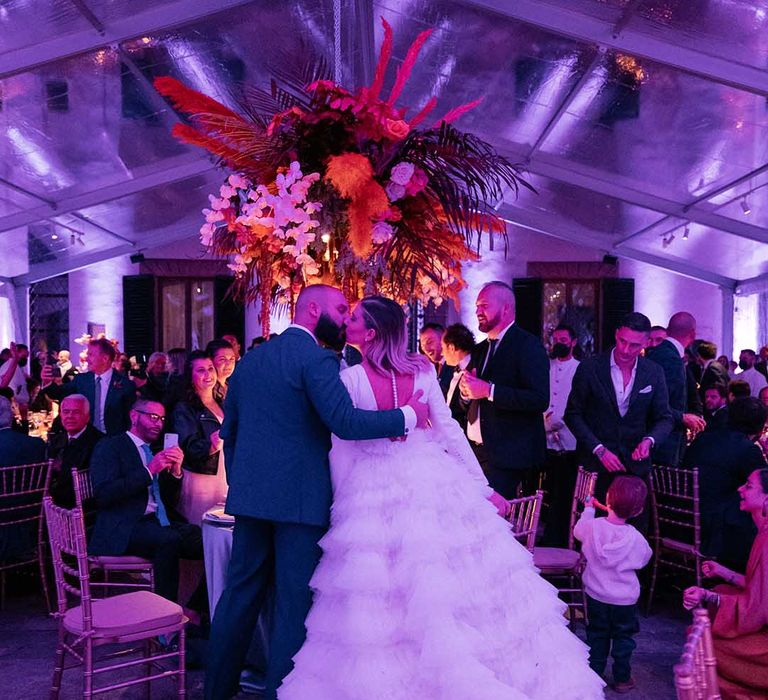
(170, 440)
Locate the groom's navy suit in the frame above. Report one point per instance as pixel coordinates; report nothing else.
(283, 402)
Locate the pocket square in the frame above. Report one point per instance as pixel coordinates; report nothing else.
(647, 390)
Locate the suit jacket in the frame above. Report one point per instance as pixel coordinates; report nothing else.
(593, 414)
(666, 356)
(120, 397)
(715, 373)
(444, 377)
(68, 455)
(718, 420)
(512, 425)
(284, 400)
(17, 449)
(695, 404)
(121, 488)
(724, 459)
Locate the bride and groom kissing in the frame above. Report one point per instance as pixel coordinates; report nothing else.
(420, 590)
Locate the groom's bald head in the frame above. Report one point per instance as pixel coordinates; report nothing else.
(323, 310)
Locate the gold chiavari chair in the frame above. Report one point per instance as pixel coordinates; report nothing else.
(524, 517)
(696, 672)
(676, 534)
(564, 566)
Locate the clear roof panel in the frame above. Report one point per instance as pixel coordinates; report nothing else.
(12, 201)
(708, 249)
(29, 22)
(734, 29)
(645, 114)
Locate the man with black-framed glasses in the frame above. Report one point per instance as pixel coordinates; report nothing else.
(136, 493)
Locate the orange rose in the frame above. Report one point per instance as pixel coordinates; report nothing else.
(396, 129)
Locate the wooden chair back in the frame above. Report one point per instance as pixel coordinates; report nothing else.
(696, 672)
(524, 517)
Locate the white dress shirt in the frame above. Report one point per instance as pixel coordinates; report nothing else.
(408, 413)
(151, 505)
(560, 381)
(752, 377)
(473, 429)
(457, 377)
(18, 383)
(623, 393)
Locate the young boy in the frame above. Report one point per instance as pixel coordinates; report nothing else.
(614, 552)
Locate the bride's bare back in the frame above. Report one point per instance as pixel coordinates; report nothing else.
(382, 388)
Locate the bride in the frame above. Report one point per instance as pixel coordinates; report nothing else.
(422, 591)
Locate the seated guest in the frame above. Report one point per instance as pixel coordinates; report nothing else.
(197, 419)
(156, 386)
(224, 360)
(63, 362)
(235, 343)
(716, 403)
(738, 389)
(15, 447)
(71, 448)
(458, 343)
(740, 610)
(724, 459)
(110, 394)
(136, 493)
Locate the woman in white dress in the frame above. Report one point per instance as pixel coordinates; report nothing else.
(197, 419)
(422, 591)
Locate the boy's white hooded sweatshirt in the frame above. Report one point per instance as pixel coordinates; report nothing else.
(613, 553)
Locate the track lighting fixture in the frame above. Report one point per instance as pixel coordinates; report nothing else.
(745, 206)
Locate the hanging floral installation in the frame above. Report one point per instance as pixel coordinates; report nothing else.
(344, 188)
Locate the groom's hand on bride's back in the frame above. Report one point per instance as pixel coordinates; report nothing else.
(420, 408)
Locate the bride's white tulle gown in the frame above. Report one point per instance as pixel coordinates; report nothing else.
(422, 592)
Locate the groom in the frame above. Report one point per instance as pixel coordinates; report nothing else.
(283, 402)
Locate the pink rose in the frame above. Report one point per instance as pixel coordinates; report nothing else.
(394, 191)
(401, 173)
(396, 129)
(418, 182)
(381, 232)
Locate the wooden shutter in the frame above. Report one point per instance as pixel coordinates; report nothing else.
(139, 314)
(618, 299)
(230, 315)
(528, 304)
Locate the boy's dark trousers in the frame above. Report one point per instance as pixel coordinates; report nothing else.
(611, 629)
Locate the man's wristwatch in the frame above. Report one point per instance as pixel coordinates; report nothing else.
(600, 451)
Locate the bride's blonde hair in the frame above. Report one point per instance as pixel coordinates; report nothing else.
(388, 349)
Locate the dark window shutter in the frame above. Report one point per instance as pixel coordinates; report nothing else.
(139, 314)
(230, 315)
(618, 297)
(528, 304)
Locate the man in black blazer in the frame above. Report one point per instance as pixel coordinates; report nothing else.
(17, 448)
(458, 344)
(507, 385)
(712, 371)
(71, 448)
(136, 493)
(668, 354)
(618, 408)
(110, 394)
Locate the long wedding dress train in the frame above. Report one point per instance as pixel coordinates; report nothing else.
(422, 592)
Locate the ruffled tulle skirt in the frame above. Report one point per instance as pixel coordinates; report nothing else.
(422, 592)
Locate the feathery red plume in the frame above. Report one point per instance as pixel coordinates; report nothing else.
(455, 113)
(404, 72)
(381, 67)
(190, 101)
(193, 137)
(424, 113)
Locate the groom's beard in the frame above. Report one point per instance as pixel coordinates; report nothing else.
(330, 334)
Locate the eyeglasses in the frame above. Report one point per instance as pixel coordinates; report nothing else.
(154, 417)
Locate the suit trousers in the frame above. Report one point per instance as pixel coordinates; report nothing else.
(561, 469)
(164, 546)
(263, 551)
(503, 481)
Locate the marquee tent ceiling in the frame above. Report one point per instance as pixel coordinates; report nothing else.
(643, 124)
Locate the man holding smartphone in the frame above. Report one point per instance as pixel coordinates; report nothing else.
(136, 493)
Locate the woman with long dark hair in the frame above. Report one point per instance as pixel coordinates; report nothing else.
(422, 591)
(197, 419)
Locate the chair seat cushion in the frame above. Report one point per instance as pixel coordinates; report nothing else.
(123, 562)
(126, 614)
(555, 559)
(684, 547)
